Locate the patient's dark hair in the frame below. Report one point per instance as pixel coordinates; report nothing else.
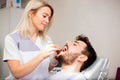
(88, 51)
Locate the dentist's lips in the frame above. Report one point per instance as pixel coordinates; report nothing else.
(44, 25)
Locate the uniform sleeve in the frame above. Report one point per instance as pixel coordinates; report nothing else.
(10, 49)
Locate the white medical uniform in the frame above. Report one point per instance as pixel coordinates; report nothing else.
(23, 50)
(67, 76)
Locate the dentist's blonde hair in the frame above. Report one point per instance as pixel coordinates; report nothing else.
(26, 24)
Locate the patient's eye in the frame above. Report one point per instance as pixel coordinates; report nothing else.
(75, 43)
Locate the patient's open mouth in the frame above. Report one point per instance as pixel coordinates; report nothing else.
(62, 50)
(65, 48)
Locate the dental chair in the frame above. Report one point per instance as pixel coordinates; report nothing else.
(98, 70)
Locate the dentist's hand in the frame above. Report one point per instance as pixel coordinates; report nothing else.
(50, 50)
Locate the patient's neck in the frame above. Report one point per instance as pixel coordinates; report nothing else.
(71, 68)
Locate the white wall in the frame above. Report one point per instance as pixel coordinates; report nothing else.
(98, 19)
(3, 31)
(9, 17)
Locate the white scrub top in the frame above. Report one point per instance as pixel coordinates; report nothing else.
(23, 50)
(67, 76)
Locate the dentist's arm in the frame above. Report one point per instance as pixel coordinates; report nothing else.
(20, 70)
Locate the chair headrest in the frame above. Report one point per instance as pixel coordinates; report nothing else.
(98, 67)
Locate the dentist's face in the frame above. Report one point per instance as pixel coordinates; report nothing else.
(41, 18)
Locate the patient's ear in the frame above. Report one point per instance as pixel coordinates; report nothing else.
(82, 58)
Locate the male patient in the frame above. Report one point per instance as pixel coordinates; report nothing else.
(75, 56)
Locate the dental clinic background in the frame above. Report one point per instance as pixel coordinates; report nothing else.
(98, 19)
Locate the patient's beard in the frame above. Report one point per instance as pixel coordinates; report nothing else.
(66, 59)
